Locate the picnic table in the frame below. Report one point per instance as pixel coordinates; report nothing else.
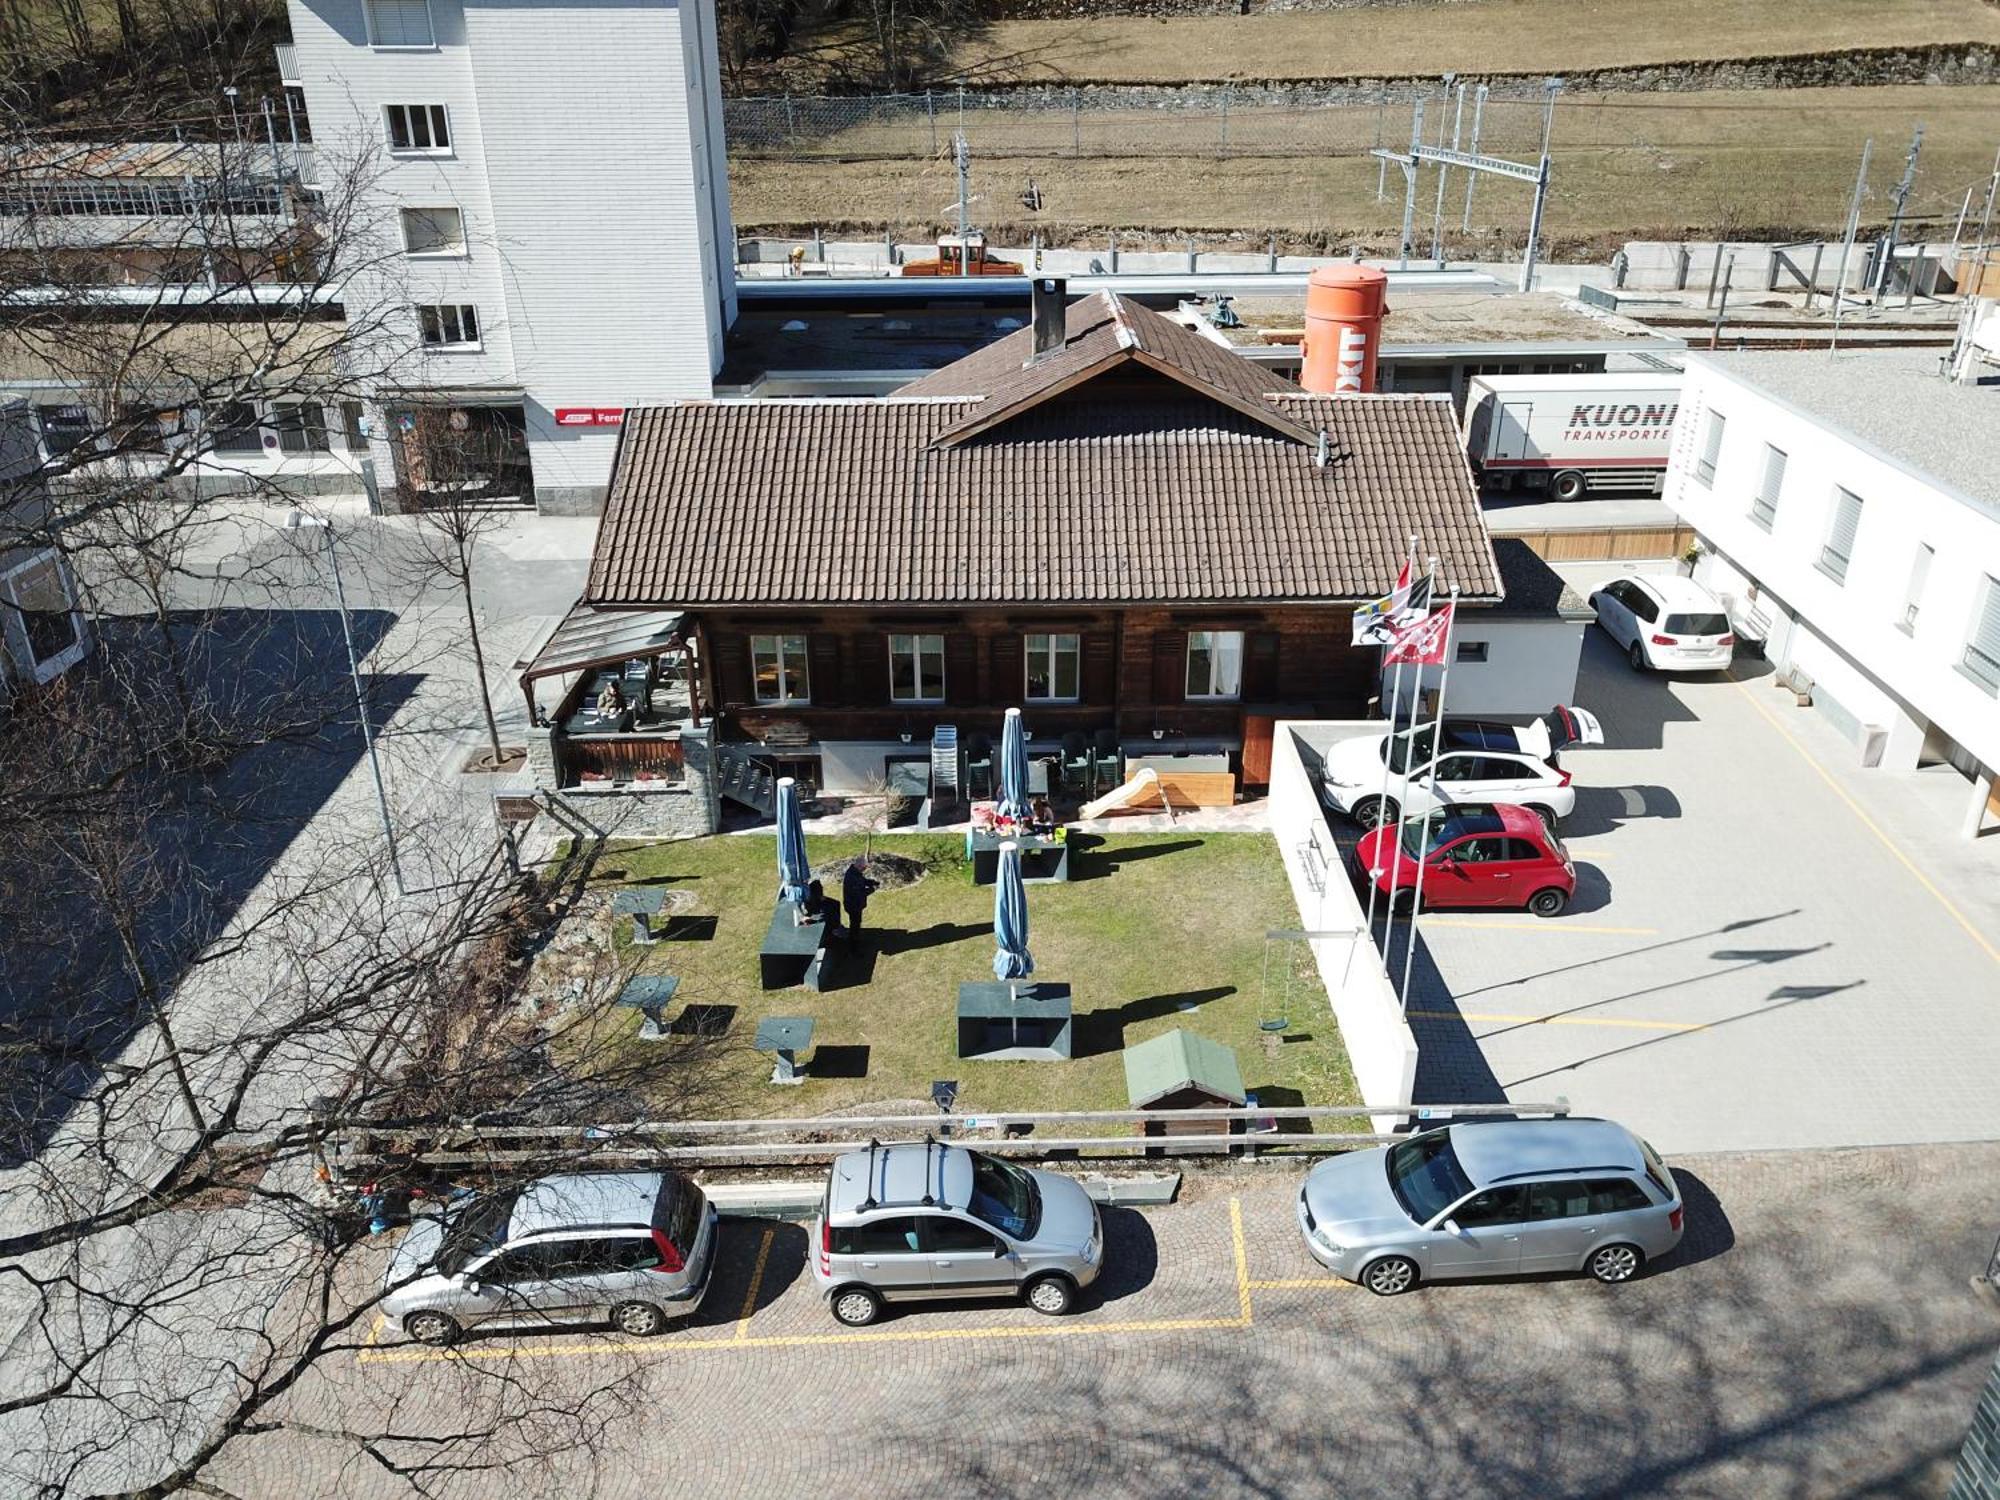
(1002, 1021)
(652, 994)
(785, 1036)
(641, 905)
(1044, 861)
(793, 952)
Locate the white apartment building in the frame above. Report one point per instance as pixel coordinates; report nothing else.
(1849, 508)
(555, 201)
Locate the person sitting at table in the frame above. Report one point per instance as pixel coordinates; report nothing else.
(611, 701)
(1042, 818)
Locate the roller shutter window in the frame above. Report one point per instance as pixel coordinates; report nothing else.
(1764, 504)
(1839, 549)
(1982, 652)
(400, 23)
(1711, 447)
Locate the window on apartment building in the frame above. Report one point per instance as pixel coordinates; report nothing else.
(301, 427)
(399, 23)
(1215, 664)
(38, 596)
(778, 669)
(232, 428)
(1982, 652)
(1052, 668)
(916, 668)
(1839, 549)
(433, 231)
(448, 325)
(63, 427)
(1764, 504)
(1711, 446)
(1471, 651)
(1913, 596)
(417, 129)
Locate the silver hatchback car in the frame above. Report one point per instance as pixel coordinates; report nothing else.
(631, 1248)
(927, 1220)
(1492, 1198)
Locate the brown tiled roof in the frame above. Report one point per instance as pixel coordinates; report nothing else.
(1101, 332)
(1148, 493)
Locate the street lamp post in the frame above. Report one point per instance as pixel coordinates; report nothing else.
(300, 521)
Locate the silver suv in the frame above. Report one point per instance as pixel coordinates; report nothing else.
(921, 1220)
(633, 1248)
(1492, 1198)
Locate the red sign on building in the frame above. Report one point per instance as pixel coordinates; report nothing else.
(589, 416)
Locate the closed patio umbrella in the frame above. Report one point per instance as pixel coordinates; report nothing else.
(793, 872)
(1011, 959)
(1013, 769)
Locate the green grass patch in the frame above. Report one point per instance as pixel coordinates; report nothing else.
(1152, 932)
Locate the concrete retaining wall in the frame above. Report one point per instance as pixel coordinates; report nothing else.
(1380, 1044)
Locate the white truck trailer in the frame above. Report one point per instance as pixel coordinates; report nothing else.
(1572, 435)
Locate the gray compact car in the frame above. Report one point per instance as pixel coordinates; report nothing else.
(927, 1220)
(1492, 1198)
(631, 1248)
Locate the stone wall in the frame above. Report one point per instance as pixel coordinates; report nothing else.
(1978, 1476)
(688, 808)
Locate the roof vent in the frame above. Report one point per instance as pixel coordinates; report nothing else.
(1051, 326)
(1325, 449)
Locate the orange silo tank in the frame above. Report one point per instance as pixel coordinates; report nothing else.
(1344, 308)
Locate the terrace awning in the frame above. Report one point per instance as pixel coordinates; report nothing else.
(589, 637)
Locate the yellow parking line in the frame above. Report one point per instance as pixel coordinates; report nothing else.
(742, 1339)
(1287, 1283)
(1538, 925)
(1242, 1261)
(1477, 1015)
(756, 1284)
(1866, 822)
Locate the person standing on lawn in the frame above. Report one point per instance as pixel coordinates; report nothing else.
(855, 889)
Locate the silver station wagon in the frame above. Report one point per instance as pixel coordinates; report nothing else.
(631, 1248)
(926, 1220)
(1492, 1198)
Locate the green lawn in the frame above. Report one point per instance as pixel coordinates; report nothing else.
(1152, 932)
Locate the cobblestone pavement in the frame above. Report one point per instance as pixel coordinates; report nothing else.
(1813, 1336)
(1769, 946)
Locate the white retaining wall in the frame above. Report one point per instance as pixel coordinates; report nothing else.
(1380, 1044)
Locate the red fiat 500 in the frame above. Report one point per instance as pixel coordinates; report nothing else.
(1494, 855)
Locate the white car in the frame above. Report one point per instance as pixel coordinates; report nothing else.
(1477, 761)
(1666, 622)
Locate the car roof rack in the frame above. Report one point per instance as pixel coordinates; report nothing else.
(1563, 1171)
(932, 1198)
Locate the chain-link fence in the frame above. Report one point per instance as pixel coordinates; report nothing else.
(1120, 122)
(1222, 162)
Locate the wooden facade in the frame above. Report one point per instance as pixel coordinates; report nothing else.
(1297, 660)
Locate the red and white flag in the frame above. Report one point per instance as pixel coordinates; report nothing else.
(1421, 644)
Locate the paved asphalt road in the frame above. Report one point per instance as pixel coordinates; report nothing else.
(1769, 947)
(1813, 1336)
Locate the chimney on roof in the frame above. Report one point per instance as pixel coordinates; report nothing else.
(1051, 328)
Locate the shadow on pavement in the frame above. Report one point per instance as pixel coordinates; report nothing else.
(195, 844)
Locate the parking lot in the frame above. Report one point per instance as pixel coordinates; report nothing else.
(1814, 1334)
(1769, 946)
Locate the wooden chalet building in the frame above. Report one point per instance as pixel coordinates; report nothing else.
(1104, 518)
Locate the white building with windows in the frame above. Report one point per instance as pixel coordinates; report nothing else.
(1849, 511)
(553, 240)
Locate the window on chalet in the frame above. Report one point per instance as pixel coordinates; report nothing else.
(778, 668)
(1215, 664)
(916, 668)
(1052, 675)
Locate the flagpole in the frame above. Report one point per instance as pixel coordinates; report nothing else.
(1395, 707)
(1402, 794)
(1437, 739)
